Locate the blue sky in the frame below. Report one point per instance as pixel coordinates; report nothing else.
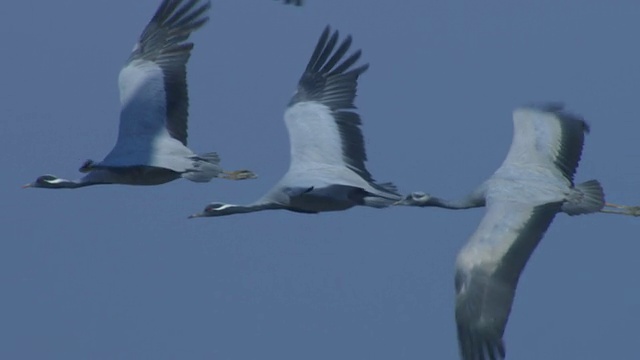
(119, 272)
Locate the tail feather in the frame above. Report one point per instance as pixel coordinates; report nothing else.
(205, 167)
(378, 202)
(385, 196)
(211, 157)
(388, 187)
(585, 198)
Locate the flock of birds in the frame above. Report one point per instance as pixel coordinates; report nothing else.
(327, 166)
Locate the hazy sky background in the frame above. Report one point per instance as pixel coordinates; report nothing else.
(110, 272)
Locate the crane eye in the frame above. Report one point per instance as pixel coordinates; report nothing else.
(215, 207)
(419, 195)
(45, 179)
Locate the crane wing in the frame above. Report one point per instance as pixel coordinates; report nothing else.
(487, 272)
(294, 2)
(323, 128)
(153, 86)
(547, 136)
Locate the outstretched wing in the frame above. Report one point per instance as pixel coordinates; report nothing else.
(547, 136)
(294, 2)
(487, 273)
(323, 128)
(153, 85)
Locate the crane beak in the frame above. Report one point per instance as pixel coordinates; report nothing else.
(197, 215)
(398, 203)
(26, 186)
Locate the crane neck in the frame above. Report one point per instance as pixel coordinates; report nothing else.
(232, 209)
(243, 209)
(70, 184)
(466, 202)
(92, 178)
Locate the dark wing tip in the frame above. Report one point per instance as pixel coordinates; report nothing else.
(294, 2)
(329, 77)
(568, 116)
(181, 12)
(171, 25)
(474, 345)
(573, 129)
(163, 41)
(558, 108)
(572, 142)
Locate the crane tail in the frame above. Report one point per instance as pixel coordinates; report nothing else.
(211, 157)
(204, 168)
(586, 198)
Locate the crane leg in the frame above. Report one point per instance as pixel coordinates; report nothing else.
(239, 175)
(621, 209)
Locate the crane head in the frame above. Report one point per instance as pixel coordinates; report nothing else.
(416, 198)
(215, 209)
(45, 181)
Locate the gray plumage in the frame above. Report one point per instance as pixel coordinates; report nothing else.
(327, 167)
(532, 185)
(151, 147)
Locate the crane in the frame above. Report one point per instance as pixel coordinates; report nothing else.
(327, 166)
(151, 148)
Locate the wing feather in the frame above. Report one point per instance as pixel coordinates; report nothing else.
(547, 136)
(323, 129)
(487, 273)
(294, 2)
(161, 46)
(153, 91)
